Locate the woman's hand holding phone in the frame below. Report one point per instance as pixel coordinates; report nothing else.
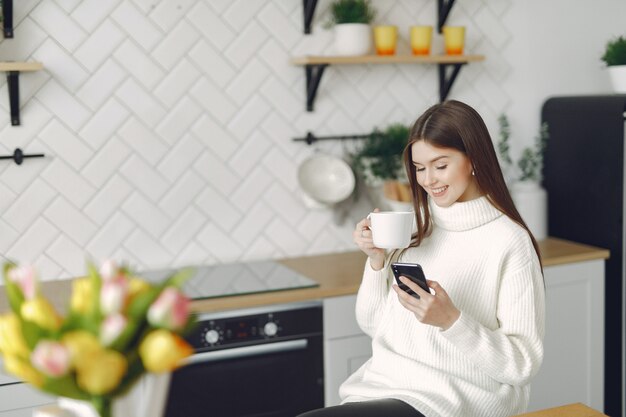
(435, 309)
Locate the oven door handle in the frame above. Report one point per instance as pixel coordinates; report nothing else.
(245, 351)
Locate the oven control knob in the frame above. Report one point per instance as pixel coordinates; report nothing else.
(212, 336)
(270, 328)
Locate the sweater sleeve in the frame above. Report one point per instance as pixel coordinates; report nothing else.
(512, 353)
(371, 297)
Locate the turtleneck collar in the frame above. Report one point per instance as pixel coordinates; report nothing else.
(464, 215)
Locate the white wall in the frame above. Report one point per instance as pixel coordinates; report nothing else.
(556, 51)
(167, 124)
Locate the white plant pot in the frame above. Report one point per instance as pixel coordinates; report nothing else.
(617, 74)
(531, 200)
(353, 39)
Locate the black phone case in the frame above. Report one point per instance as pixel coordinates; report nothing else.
(412, 271)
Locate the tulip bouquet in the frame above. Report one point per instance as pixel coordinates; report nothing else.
(117, 327)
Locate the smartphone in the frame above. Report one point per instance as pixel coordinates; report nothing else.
(412, 271)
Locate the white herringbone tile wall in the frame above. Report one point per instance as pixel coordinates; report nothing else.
(167, 126)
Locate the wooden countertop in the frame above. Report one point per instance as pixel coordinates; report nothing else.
(338, 274)
(570, 410)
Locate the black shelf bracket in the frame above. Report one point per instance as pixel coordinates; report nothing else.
(314, 74)
(18, 156)
(443, 10)
(13, 83)
(7, 18)
(308, 7)
(445, 81)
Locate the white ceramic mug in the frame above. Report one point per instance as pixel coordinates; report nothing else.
(392, 229)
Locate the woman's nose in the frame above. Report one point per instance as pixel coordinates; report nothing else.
(429, 178)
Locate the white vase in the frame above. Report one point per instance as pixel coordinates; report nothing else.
(617, 74)
(531, 200)
(353, 39)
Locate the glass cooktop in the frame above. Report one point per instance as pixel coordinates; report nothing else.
(236, 279)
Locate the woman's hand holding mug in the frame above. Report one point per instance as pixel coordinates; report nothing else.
(383, 230)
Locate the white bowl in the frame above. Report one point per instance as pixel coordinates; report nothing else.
(326, 179)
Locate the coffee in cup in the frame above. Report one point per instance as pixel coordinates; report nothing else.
(391, 229)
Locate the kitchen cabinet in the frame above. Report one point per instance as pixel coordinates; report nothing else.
(573, 363)
(346, 347)
(572, 369)
(18, 399)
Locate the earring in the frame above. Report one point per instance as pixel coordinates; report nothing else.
(473, 173)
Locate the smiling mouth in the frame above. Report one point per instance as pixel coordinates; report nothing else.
(438, 191)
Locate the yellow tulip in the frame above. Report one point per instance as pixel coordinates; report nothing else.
(163, 351)
(137, 286)
(82, 295)
(22, 369)
(81, 345)
(40, 311)
(101, 371)
(11, 338)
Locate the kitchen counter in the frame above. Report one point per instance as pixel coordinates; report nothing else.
(337, 274)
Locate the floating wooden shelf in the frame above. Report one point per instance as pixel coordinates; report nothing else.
(386, 59)
(13, 70)
(20, 66)
(314, 67)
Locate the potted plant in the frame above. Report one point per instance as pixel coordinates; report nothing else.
(615, 59)
(529, 196)
(379, 164)
(351, 19)
(117, 328)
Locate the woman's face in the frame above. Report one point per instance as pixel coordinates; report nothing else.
(445, 174)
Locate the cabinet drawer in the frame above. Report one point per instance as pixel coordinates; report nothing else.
(20, 395)
(342, 357)
(340, 318)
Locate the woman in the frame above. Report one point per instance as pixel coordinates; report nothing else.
(471, 346)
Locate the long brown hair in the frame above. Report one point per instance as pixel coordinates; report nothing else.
(453, 124)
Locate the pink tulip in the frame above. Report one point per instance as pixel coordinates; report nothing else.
(111, 328)
(108, 270)
(51, 358)
(170, 310)
(26, 278)
(113, 295)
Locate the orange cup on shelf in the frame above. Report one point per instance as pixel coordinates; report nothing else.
(385, 39)
(421, 38)
(454, 39)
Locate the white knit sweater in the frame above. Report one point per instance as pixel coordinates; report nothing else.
(483, 364)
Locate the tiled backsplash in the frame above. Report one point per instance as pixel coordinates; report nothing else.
(167, 125)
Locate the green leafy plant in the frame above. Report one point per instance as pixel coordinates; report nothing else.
(615, 52)
(380, 157)
(530, 163)
(351, 11)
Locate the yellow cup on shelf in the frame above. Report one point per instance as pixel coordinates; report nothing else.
(421, 38)
(454, 39)
(385, 39)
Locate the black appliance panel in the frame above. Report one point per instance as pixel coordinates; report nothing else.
(584, 177)
(253, 369)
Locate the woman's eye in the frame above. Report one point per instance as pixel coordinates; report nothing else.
(419, 169)
(442, 167)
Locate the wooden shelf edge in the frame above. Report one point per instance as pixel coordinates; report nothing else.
(389, 59)
(21, 66)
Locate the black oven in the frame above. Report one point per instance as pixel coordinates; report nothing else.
(252, 363)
